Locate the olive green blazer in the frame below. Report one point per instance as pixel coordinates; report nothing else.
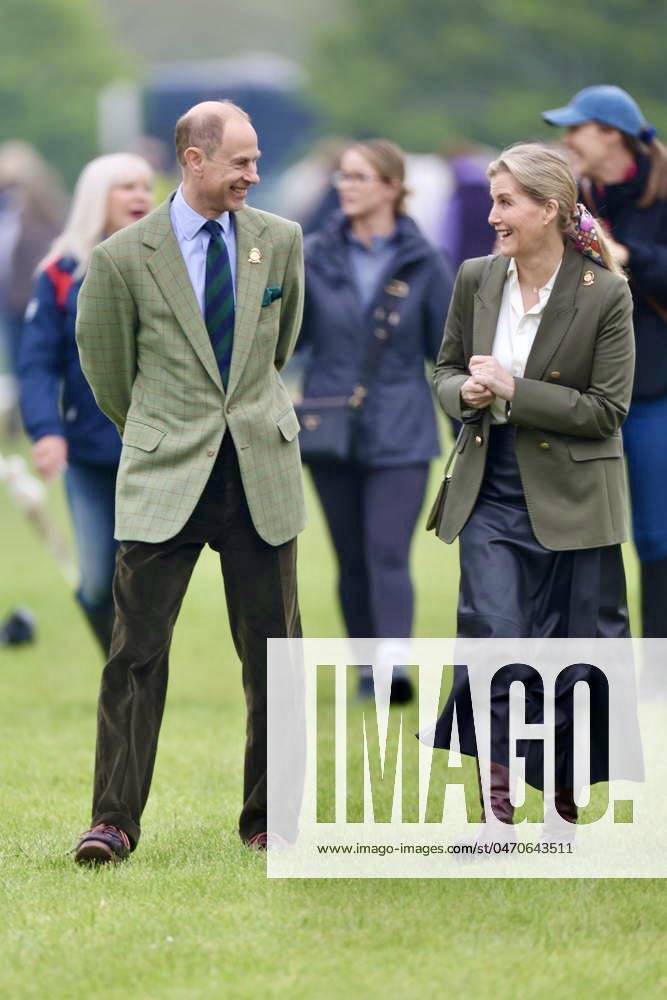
(147, 355)
(568, 407)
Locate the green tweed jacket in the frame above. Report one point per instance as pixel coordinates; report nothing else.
(146, 352)
(568, 407)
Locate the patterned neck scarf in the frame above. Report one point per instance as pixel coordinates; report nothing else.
(585, 234)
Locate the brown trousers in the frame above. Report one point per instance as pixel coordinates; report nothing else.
(149, 586)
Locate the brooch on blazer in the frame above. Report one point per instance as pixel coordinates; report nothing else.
(589, 277)
(254, 256)
(398, 288)
(271, 294)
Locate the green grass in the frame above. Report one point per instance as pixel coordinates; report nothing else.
(192, 914)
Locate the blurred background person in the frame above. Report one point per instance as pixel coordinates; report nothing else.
(430, 184)
(623, 176)
(375, 288)
(464, 229)
(70, 434)
(306, 192)
(32, 207)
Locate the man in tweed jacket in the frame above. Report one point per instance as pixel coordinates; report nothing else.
(200, 463)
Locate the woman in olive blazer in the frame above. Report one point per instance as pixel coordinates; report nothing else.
(567, 408)
(537, 360)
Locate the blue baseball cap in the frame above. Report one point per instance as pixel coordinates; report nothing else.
(605, 104)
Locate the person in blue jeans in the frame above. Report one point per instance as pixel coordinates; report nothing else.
(371, 274)
(622, 170)
(70, 434)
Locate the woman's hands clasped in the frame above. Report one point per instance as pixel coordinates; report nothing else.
(486, 373)
(475, 394)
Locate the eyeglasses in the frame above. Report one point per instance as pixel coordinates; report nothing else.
(341, 177)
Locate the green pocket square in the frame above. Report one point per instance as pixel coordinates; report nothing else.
(271, 294)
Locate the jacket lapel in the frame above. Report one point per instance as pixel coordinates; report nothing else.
(487, 306)
(168, 268)
(251, 280)
(558, 314)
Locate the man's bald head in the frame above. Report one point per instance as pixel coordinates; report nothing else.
(202, 126)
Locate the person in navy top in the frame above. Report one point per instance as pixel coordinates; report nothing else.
(622, 168)
(368, 269)
(70, 434)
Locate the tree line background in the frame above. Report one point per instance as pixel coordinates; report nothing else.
(425, 74)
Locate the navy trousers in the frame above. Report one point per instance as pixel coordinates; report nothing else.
(371, 514)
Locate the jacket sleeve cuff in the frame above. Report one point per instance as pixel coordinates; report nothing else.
(45, 429)
(449, 394)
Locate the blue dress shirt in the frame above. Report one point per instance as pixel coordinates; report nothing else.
(193, 242)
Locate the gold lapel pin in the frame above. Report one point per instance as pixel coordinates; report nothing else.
(254, 256)
(589, 277)
(398, 288)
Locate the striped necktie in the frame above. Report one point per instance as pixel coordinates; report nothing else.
(219, 299)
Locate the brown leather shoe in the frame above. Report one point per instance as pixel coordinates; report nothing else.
(560, 821)
(102, 844)
(498, 828)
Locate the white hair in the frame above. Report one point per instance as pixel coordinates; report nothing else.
(87, 219)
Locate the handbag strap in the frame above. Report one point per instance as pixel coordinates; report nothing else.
(386, 317)
(455, 448)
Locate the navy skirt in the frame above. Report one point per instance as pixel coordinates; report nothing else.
(513, 587)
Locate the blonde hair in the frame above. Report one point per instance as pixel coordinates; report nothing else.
(389, 161)
(544, 174)
(87, 219)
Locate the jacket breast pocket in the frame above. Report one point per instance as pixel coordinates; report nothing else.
(585, 450)
(143, 436)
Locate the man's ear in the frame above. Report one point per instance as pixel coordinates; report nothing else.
(194, 159)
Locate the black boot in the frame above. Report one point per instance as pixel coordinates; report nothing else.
(18, 628)
(101, 622)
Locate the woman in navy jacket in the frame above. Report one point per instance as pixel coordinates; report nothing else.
(370, 272)
(623, 171)
(69, 433)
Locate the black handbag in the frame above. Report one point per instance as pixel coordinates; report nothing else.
(437, 512)
(328, 423)
(327, 426)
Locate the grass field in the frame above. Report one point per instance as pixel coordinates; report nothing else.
(192, 914)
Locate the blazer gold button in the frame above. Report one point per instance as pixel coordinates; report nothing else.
(545, 445)
(555, 375)
(210, 452)
(479, 440)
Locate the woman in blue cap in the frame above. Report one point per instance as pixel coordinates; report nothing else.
(622, 169)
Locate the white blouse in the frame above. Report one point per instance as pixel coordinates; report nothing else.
(516, 330)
